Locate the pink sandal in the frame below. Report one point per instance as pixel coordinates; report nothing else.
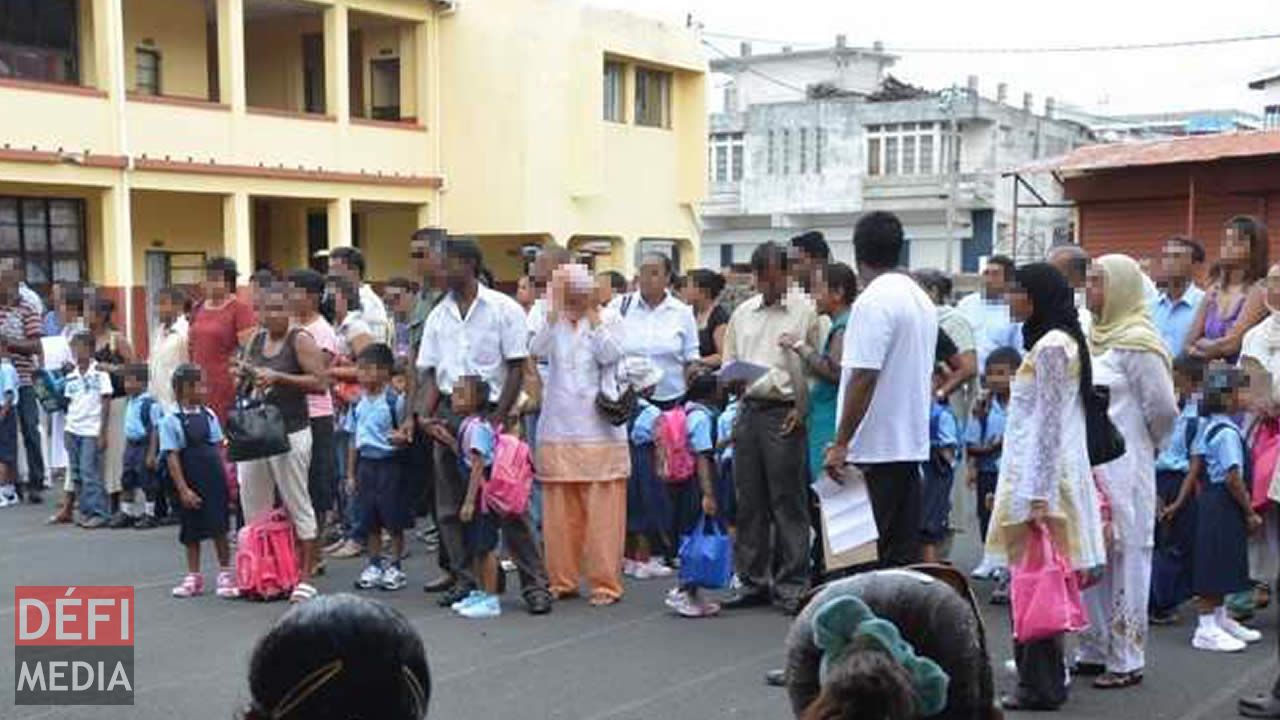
(192, 585)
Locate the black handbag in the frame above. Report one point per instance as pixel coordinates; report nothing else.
(1104, 438)
(617, 411)
(255, 430)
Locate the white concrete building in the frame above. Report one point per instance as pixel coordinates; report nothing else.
(813, 139)
(1269, 83)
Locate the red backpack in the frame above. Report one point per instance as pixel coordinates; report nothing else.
(266, 564)
(676, 463)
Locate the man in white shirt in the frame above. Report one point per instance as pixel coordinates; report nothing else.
(349, 262)
(476, 331)
(886, 395)
(988, 312)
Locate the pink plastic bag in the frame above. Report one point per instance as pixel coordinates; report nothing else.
(1263, 453)
(1044, 591)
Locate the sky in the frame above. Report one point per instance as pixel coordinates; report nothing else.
(1214, 76)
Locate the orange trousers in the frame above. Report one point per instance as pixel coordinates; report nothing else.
(584, 526)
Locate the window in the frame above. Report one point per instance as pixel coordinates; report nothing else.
(39, 40)
(786, 152)
(384, 89)
(804, 150)
(726, 255)
(722, 163)
(614, 86)
(819, 147)
(46, 235)
(653, 98)
(769, 154)
(726, 157)
(906, 149)
(739, 157)
(147, 72)
(313, 99)
(1271, 117)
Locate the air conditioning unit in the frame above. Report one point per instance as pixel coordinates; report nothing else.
(446, 7)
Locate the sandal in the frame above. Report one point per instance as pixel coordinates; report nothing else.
(1261, 595)
(302, 593)
(1116, 681)
(602, 600)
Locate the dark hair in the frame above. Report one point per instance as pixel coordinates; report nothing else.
(769, 254)
(934, 281)
(1077, 259)
(709, 280)
(175, 295)
(878, 240)
(667, 269)
(742, 268)
(865, 683)
(403, 283)
(1219, 381)
(224, 266)
(73, 295)
(83, 337)
(138, 371)
(466, 250)
(812, 244)
(481, 387)
(348, 255)
(263, 277)
(186, 374)
(378, 355)
(347, 289)
(616, 280)
(338, 657)
(1006, 356)
(1253, 229)
(486, 277)
(1191, 366)
(1197, 250)
(839, 276)
(1005, 262)
(430, 235)
(309, 281)
(104, 306)
(703, 387)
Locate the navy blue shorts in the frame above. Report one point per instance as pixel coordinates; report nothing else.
(135, 474)
(936, 502)
(9, 438)
(381, 498)
(481, 534)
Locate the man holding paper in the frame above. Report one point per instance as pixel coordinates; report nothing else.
(770, 446)
(885, 397)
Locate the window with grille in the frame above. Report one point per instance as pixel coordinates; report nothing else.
(147, 72)
(727, 157)
(820, 146)
(653, 98)
(786, 152)
(769, 153)
(47, 237)
(614, 87)
(39, 40)
(907, 149)
(1271, 117)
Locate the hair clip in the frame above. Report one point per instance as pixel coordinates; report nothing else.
(416, 690)
(305, 688)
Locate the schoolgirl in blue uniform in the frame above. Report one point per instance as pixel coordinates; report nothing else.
(1224, 514)
(138, 475)
(647, 503)
(8, 433)
(189, 439)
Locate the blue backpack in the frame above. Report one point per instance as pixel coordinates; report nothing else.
(50, 387)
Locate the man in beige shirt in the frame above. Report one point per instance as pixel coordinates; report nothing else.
(770, 442)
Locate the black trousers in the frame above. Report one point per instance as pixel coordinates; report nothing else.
(896, 500)
(1042, 672)
(773, 501)
(29, 425)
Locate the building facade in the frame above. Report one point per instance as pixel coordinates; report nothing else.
(144, 136)
(1269, 83)
(813, 140)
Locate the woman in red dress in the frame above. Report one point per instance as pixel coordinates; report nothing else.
(220, 325)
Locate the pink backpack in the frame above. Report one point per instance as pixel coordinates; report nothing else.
(511, 477)
(266, 564)
(675, 457)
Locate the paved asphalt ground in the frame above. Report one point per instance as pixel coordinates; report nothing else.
(629, 661)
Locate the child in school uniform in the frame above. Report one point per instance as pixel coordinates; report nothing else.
(1173, 556)
(138, 478)
(475, 441)
(726, 495)
(8, 433)
(647, 541)
(189, 439)
(984, 437)
(88, 392)
(700, 423)
(375, 473)
(938, 474)
(1224, 513)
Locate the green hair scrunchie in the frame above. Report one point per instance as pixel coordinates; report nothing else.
(842, 620)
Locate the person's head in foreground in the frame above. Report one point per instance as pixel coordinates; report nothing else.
(339, 657)
(891, 645)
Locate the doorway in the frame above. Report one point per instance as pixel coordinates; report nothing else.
(384, 76)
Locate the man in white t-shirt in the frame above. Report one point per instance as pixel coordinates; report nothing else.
(349, 263)
(886, 395)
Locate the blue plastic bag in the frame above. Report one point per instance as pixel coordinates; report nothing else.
(706, 556)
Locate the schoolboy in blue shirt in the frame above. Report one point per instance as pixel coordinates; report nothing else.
(1173, 556)
(8, 433)
(984, 434)
(939, 475)
(142, 415)
(374, 471)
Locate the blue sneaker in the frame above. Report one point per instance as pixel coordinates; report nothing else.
(471, 597)
(483, 607)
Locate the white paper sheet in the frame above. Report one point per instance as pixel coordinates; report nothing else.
(56, 351)
(847, 517)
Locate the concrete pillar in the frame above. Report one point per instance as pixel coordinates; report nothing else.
(426, 215)
(117, 247)
(237, 233)
(337, 66)
(231, 80)
(340, 222)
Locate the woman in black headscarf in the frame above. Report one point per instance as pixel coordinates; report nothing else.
(1046, 483)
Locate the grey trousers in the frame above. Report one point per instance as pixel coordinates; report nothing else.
(773, 502)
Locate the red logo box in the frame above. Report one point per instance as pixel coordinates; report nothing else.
(73, 615)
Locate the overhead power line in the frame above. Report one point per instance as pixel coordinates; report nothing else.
(1069, 49)
(757, 72)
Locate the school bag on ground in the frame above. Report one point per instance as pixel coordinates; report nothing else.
(671, 442)
(510, 478)
(266, 564)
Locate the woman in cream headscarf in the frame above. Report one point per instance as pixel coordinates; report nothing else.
(1131, 360)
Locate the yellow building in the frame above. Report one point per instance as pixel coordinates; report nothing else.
(143, 136)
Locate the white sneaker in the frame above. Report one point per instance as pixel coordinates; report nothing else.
(984, 571)
(393, 578)
(653, 569)
(370, 578)
(686, 606)
(487, 606)
(1238, 631)
(7, 501)
(629, 567)
(471, 597)
(1215, 639)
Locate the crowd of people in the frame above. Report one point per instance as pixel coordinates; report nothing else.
(1107, 408)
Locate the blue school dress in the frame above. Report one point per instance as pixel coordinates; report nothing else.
(938, 475)
(195, 435)
(647, 503)
(1172, 561)
(9, 423)
(1221, 551)
(726, 492)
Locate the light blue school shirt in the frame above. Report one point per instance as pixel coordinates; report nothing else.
(480, 439)
(173, 437)
(699, 422)
(1225, 452)
(8, 382)
(978, 436)
(1175, 456)
(1173, 318)
(134, 427)
(724, 429)
(642, 430)
(371, 423)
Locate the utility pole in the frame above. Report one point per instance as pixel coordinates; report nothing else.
(950, 97)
